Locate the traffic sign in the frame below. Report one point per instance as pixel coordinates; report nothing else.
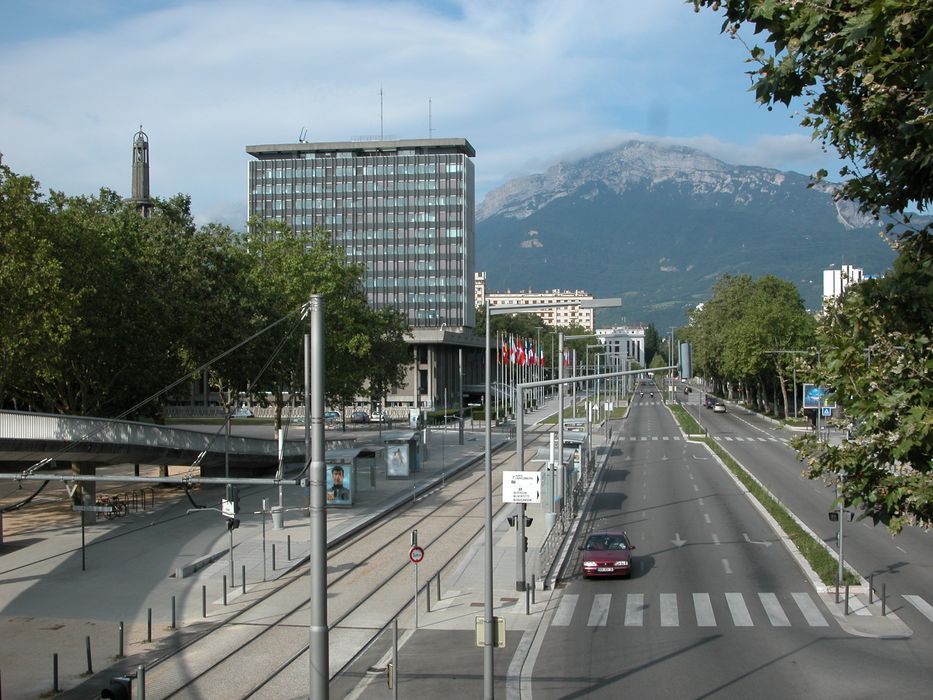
(826, 411)
(521, 487)
(416, 554)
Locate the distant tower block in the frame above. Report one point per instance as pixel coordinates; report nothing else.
(140, 197)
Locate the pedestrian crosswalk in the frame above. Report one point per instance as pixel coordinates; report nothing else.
(697, 609)
(718, 438)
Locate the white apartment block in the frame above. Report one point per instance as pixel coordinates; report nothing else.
(835, 282)
(624, 342)
(566, 311)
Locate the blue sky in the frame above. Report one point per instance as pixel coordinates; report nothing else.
(528, 82)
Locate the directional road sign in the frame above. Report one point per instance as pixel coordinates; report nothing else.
(521, 487)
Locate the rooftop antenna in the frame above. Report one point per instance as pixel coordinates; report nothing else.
(381, 136)
(302, 134)
(430, 128)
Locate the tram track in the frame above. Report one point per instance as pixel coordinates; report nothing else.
(363, 573)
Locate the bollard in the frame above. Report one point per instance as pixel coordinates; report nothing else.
(141, 682)
(532, 589)
(87, 648)
(273, 557)
(225, 589)
(527, 600)
(173, 612)
(438, 577)
(120, 643)
(847, 600)
(288, 548)
(55, 673)
(871, 588)
(884, 599)
(203, 601)
(149, 625)
(427, 590)
(243, 577)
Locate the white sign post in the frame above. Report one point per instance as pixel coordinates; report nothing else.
(521, 487)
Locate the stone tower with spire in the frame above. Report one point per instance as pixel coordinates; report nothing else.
(140, 196)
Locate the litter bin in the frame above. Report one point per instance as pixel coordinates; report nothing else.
(277, 517)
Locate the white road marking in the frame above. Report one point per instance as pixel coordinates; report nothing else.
(565, 610)
(696, 488)
(924, 607)
(634, 609)
(704, 610)
(665, 438)
(811, 612)
(706, 518)
(901, 548)
(726, 567)
(774, 610)
(700, 501)
(761, 439)
(599, 613)
(726, 437)
(738, 610)
(715, 539)
(669, 617)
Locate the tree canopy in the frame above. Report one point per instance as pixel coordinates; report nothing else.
(862, 68)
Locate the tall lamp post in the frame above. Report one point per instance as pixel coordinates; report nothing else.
(488, 648)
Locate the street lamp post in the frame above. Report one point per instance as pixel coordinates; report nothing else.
(488, 658)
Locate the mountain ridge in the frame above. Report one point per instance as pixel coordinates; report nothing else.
(677, 219)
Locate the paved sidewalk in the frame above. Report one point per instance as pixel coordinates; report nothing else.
(48, 605)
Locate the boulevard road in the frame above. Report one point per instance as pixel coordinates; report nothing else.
(715, 606)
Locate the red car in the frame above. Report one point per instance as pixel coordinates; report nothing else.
(607, 554)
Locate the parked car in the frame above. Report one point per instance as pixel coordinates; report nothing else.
(607, 554)
(380, 416)
(359, 417)
(720, 407)
(331, 416)
(243, 412)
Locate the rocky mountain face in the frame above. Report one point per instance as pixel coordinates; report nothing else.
(658, 225)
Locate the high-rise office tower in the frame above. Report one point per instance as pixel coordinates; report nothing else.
(404, 209)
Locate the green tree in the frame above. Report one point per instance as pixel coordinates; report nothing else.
(862, 68)
(35, 307)
(364, 347)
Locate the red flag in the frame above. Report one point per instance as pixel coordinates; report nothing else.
(520, 357)
(531, 354)
(505, 351)
(541, 358)
(512, 349)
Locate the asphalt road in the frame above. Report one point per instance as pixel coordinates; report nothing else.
(715, 607)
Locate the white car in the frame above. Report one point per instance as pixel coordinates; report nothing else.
(719, 407)
(380, 416)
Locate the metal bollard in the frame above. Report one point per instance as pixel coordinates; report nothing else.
(871, 588)
(527, 600)
(87, 648)
(149, 626)
(225, 589)
(141, 682)
(173, 612)
(288, 548)
(120, 642)
(884, 599)
(427, 590)
(532, 589)
(203, 601)
(438, 577)
(55, 673)
(243, 578)
(273, 557)
(847, 600)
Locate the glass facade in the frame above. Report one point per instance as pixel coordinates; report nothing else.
(402, 209)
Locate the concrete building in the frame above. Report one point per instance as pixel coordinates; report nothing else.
(566, 311)
(405, 211)
(624, 342)
(836, 281)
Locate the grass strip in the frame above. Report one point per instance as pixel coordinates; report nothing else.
(687, 422)
(824, 562)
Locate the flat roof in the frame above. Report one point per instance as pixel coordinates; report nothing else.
(361, 148)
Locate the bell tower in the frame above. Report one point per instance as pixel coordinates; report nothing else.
(140, 192)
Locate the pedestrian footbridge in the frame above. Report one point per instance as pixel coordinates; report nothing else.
(58, 441)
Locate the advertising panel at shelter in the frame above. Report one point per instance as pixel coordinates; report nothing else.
(397, 461)
(339, 485)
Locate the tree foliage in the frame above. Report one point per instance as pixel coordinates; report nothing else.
(735, 334)
(862, 68)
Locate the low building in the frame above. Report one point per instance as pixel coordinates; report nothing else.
(566, 311)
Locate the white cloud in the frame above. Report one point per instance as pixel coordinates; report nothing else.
(524, 81)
